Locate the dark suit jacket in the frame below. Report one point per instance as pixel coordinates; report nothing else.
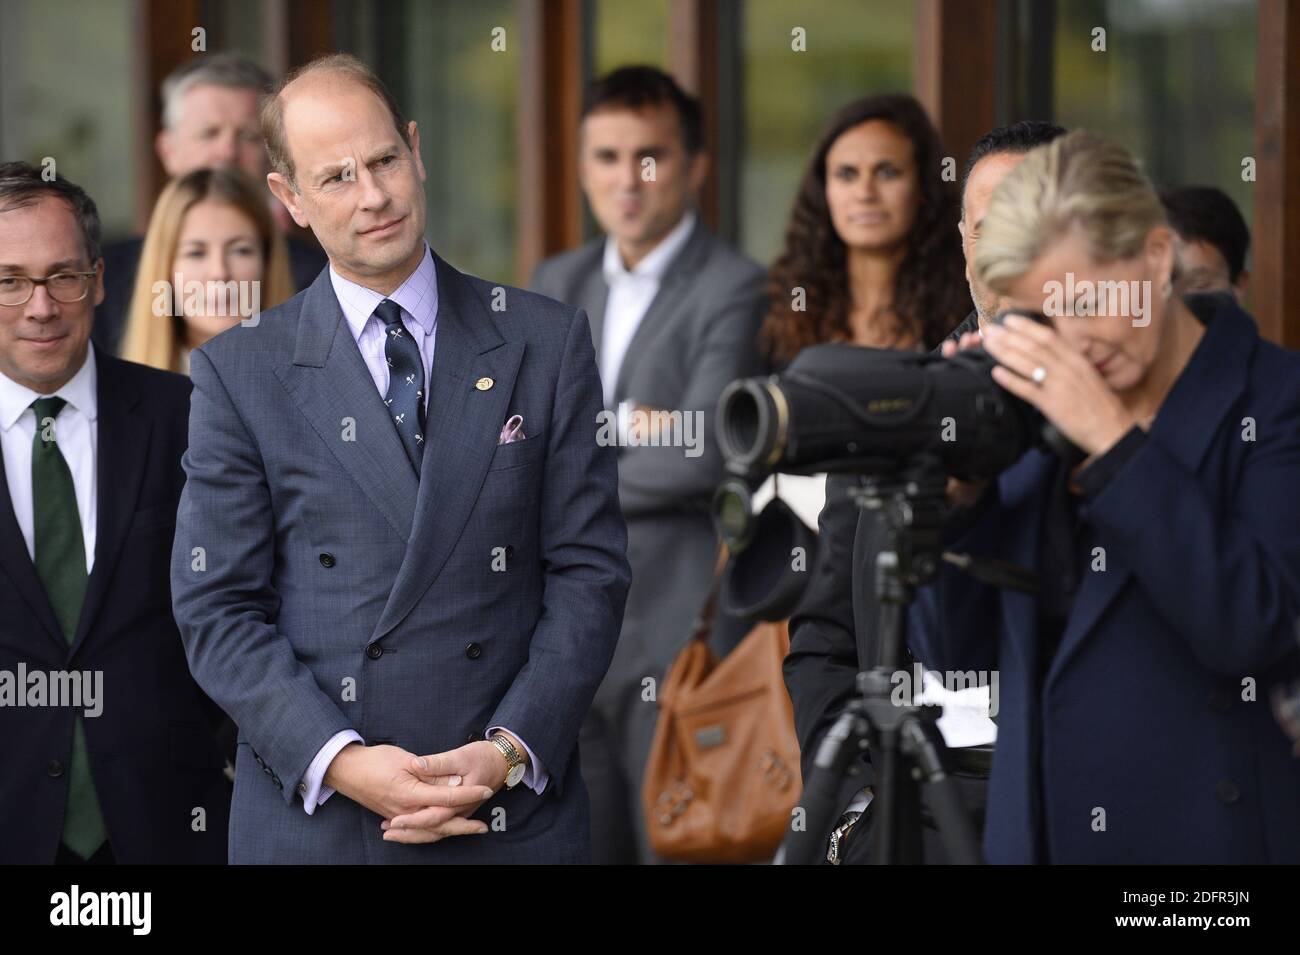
(122, 261)
(1154, 711)
(152, 753)
(341, 591)
(699, 334)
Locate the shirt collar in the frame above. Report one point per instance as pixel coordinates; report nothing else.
(656, 262)
(417, 296)
(78, 391)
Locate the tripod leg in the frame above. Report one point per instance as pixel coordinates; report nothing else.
(942, 795)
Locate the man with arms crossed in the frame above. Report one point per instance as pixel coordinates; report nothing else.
(675, 315)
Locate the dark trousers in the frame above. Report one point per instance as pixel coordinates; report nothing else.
(102, 856)
(614, 747)
(974, 797)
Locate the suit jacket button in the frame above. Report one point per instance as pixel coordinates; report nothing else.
(473, 651)
(1227, 792)
(374, 651)
(327, 560)
(55, 769)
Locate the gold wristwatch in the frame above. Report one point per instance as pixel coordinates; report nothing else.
(514, 761)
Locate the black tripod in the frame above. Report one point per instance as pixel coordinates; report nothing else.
(908, 509)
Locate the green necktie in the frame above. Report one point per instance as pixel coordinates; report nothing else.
(61, 565)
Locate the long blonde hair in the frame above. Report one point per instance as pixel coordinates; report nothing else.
(156, 340)
(1077, 179)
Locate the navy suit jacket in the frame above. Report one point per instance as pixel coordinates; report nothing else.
(321, 585)
(153, 755)
(1151, 739)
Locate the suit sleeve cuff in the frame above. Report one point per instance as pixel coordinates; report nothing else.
(535, 777)
(312, 788)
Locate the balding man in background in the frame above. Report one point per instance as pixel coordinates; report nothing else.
(210, 120)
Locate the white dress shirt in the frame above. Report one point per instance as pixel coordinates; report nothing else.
(630, 295)
(418, 299)
(75, 433)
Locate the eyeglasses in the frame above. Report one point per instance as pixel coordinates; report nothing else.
(65, 287)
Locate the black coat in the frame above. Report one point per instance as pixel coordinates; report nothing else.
(152, 754)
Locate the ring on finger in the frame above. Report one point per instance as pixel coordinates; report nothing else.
(1039, 375)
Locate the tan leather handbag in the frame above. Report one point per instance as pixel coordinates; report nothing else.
(723, 774)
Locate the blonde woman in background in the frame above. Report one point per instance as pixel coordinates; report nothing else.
(213, 241)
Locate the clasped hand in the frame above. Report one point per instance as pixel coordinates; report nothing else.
(421, 799)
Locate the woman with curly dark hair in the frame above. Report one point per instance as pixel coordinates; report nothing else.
(872, 255)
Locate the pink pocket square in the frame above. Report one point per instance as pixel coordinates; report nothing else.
(512, 430)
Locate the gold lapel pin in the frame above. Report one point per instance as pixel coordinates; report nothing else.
(483, 384)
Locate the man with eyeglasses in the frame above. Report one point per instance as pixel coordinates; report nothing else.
(108, 748)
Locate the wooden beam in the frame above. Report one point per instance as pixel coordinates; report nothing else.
(311, 32)
(550, 104)
(166, 25)
(954, 69)
(693, 61)
(1275, 232)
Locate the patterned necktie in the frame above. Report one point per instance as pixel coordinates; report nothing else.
(405, 396)
(61, 565)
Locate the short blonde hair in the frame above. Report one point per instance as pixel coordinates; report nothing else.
(156, 340)
(1079, 179)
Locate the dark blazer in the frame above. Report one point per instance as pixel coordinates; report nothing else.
(1151, 739)
(341, 591)
(699, 334)
(152, 754)
(122, 261)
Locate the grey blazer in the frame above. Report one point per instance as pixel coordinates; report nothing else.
(318, 586)
(700, 332)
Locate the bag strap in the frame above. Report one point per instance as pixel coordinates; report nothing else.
(704, 619)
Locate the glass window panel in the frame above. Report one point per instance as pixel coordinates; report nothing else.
(66, 69)
(630, 33)
(1175, 84)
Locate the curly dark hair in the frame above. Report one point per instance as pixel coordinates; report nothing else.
(930, 290)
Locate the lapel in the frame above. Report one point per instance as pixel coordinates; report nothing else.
(122, 447)
(17, 564)
(330, 382)
(463, 428)
(1024, 491)
(1186, 424)
(677, 279)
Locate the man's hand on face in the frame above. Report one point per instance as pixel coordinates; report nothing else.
(478, 767)
(381, 778)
